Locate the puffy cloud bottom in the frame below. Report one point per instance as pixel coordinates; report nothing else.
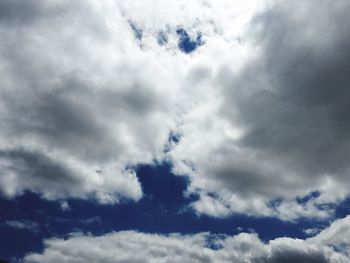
(330, 245)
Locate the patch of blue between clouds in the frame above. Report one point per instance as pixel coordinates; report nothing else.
(173, 139)
(138, 33)
(307, 198)
(186, 43)
(161, 210)
(162, 38)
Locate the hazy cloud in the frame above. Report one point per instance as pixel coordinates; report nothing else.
(22, 224)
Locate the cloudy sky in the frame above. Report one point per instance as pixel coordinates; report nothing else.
(175, 131)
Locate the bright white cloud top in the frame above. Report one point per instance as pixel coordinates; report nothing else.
(90, 89)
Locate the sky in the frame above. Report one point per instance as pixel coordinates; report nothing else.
(174, 131)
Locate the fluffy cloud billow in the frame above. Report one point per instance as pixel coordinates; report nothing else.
(279, 129)
(255, 90)
(87, 92)
(80, 102)
(131, 246)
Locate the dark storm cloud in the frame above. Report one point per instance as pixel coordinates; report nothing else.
(291, 100)
(35, 165)
(298, 102)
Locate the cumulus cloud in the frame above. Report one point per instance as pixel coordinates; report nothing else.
(88, 91)
(131, 246)
(91, 89)
(337, 235)
(80, 102)
(279, 129)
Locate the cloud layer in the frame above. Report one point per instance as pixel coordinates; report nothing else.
(131, 246)
(91, 89)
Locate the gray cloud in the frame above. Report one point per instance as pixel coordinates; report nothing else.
(19, 11)
(287, 254)
(77, 106)
(35, 165)
(286, 112)
(292, 97)
(296, 102)
(262, 114)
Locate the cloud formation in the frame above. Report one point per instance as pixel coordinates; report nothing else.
(91, 89)
(79, 104)
(84, 99)
(131, 246)
(280, 130)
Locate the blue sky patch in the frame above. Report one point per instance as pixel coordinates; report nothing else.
(163, 209)
(186, 44)
(162, 38)
(138, 33)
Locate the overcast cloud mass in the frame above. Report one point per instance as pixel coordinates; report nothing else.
(248, 100)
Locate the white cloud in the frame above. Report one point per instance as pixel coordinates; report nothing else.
(131, 246)
(22, 224)
(261, 107)
(311, 231)
(64, 206)
(82, 100)
(337, 235)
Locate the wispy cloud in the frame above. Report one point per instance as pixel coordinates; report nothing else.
(22, 225)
